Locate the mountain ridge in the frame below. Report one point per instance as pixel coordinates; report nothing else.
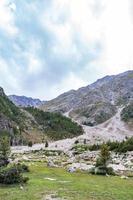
(24, 101)
(102, 96)
(31, 124)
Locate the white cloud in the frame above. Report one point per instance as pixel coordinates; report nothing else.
(108, 22)
(35, 67)
(12, 6)
(7, 17)
(7, 78)
(69, 20)
(118, 31)
(78, 41)
(70, 82)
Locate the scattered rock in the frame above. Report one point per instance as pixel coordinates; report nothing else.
(71, 169)
(50, 179)
(50, 163)
(52, 197)
(124, 177)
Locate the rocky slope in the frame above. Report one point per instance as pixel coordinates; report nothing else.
(23, 101)
(96, 103)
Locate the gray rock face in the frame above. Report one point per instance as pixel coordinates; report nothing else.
(97, 102)
(23, 101)
(2, 92)
(93, 114)
(4, 123)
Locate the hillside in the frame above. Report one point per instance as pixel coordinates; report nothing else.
(95, 103)
(23, 101)
(10, 115)
(55, 125)
(127, 113)
(31, 124)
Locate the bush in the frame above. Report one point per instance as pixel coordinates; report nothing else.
(92, 170)
(46, 144)
(101, 163)
(4, 162)
(76, 142)
(30, 144)
(85, 141)
(94, 147)
(12, 175)
(88, 123)
(119, 147)
(104, 156)
(4, 146)
(101, 170)
(80, 148)
(110, 171)
(22, 168)
(127, 113)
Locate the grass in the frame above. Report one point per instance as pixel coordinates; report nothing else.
(75, 186)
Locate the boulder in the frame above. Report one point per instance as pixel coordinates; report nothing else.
(124, 177)
(71, 169)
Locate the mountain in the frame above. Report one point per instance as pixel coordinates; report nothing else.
(95, 103)
(31, 124)
(23, 101)
(55, 125)
(104, 109)
(10, 115)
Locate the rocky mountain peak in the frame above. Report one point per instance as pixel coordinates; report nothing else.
(24, 101)
(97, 102)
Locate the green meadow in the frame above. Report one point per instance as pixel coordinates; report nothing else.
(60, 184)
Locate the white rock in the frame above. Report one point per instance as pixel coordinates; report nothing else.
(124, 177)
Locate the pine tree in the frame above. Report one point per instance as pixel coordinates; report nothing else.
(104, 156)
(4, 147)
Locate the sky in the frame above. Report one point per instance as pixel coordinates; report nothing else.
(48, 47)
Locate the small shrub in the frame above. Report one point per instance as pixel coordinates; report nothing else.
(99, 162)
(88, 123)
(25, 179)
(11, 176)
(85, 141)
(80, 148)
(76, 142)
(92, 170)
(101, 170)
(22, 168)
(127, 113)
(3, 162)
(104, 155)
(30, 144)
(110, 171)
(46, 144)
(4, 146)
(94, 147)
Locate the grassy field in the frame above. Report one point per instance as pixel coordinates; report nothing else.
(75, 186)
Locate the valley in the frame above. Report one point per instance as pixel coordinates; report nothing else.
(66, 100)
(60, 141)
